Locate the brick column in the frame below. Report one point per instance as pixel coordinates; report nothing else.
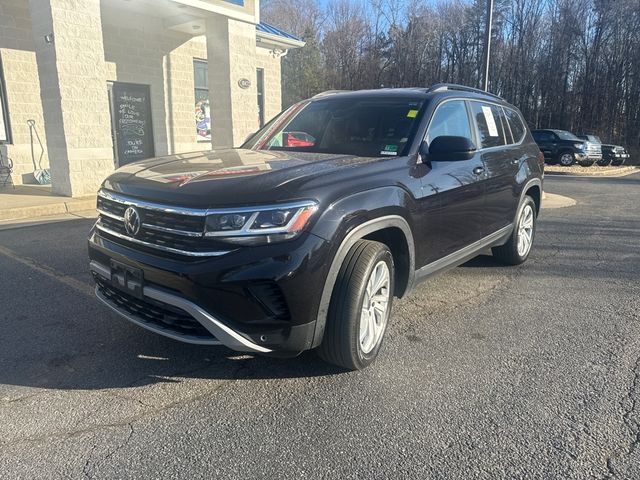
(73, 89)
(231, 54)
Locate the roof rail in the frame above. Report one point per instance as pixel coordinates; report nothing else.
(329, 92)
(439, 87)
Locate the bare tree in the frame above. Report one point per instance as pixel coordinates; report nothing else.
(572, 64)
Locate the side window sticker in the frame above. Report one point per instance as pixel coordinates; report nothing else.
(491, 122)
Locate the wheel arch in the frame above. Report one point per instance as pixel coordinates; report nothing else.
(392, 230)
(533, 188)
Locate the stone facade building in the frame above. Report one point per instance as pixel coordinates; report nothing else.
(88, 85)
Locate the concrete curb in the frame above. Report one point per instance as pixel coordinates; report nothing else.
(59, 208)
(551, 200)
(584, 172)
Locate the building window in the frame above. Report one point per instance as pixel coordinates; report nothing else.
(5, 130)
(203, 110)
(260, 85)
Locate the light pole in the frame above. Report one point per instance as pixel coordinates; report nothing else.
(487, 45)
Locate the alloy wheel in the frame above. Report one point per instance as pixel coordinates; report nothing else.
(375, 308)
(566, 159)
(525, 230)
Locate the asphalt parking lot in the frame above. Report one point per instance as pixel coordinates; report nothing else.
(487, 371)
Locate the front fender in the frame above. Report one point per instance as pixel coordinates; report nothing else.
(352, 218)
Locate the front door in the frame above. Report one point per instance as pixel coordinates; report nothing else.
(458, 185)
(132, 129)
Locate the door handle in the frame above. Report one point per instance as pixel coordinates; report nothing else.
(478, 170)
(515, 161)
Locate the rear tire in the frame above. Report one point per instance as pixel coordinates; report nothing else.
(617, 162)
(518, 247)
(360, 307)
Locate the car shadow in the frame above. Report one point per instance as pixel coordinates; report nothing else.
(125, 356)
(482, 261)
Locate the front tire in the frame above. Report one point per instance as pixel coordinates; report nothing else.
(566, 159)
(605, 162)
(518, 247)
(360, 307)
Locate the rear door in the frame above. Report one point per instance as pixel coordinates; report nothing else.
(457, 184)
(501, 160)
(502, 155)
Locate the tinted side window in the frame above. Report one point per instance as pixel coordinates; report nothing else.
(489, 119)
(543, 137)
(450, 119)
(515, 122)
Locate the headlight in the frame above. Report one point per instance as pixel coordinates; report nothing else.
(580, 146)
(260, 225)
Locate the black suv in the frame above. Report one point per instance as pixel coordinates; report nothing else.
(301, 238)
(560, 146)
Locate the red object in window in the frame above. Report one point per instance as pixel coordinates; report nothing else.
(293, 141)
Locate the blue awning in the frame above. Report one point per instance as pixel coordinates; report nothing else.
(270, 29)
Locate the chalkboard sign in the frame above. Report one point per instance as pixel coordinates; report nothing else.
(132, 122)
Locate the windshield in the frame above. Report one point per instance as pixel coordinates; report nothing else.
(366, 127)
(566, 135)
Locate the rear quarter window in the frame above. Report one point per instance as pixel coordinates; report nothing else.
(515, 123)
(490, 121)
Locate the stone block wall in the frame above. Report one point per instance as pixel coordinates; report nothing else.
(73, 93)
(17, 53)
(272, 82)
(133, 48)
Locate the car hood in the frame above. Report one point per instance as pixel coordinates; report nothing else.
(224, 177)
(610, 146)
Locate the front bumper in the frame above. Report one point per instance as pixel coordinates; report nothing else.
(582, 157)
(221, 334)
(263, 299)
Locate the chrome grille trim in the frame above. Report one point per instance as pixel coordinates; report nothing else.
(199, 212)
(110, 215)
(160, 247)
(184, 233)
(114, 197)
(190, 223)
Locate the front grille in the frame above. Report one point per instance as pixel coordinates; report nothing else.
(593, 149)
(153, 312)
(168, 232)
(187, 223)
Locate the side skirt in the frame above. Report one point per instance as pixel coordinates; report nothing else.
(467, 253)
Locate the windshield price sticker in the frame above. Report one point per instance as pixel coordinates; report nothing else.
(491, 123)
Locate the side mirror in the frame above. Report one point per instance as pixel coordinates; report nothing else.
(449, 149)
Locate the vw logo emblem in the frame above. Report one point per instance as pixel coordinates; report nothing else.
(132, 221)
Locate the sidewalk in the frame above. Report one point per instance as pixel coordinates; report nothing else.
(34, 201)
(552, 200)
